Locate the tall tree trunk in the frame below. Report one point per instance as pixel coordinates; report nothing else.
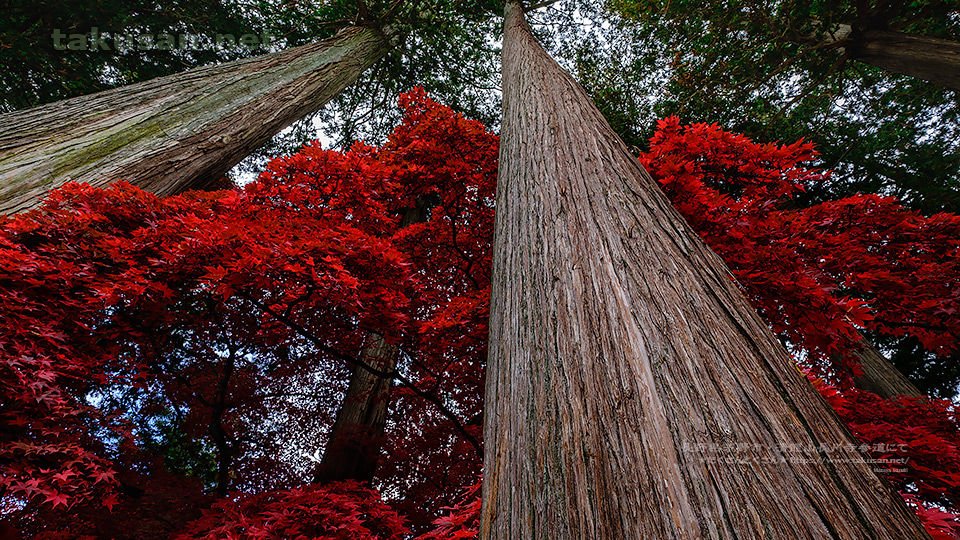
(353, 448)
(176, 132)
(930, 59)
(632, 391)
(880, 376)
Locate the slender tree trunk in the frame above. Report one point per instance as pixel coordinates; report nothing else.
(176, 132)
(632, 392)
(218, 432)
(879, 375)
(353, 449)
(930, 59)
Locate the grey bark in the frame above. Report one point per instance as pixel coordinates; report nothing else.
(931, 59)
(353, 449)
(176, 132)
(632, 391)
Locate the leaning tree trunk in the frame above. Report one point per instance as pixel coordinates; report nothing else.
(880, 376)
(176, 132)
(632, 391)
(930, 59)
(353, 448)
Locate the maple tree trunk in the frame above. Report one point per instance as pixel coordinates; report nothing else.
(930, 59)
(632, 391)
(177, 132)
(353, 448)
(880, 376)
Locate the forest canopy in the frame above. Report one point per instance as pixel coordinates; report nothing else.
(342, 343)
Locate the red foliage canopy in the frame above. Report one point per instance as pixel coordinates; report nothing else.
(206, 317)
(337, 511)
(815, 274)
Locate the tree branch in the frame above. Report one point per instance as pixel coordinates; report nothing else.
(363, 13)
(830, 71)
(539, 5)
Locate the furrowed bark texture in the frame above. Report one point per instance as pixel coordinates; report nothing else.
(177, 132)
(625, 366)
(353, 450)
(930, 59)
(879, 375)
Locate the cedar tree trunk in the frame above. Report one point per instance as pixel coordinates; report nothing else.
(632, 391)
(177, 132)
(930, 59)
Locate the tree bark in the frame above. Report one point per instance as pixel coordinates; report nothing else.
(879, 375)
(353, 448)
(176, 132)
(930, 59)
(632, 391)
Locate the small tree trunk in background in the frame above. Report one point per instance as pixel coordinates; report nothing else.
(632, 391)
(880, 376)
(177, 132)
(353, 448)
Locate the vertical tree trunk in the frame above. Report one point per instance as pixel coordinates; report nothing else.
(353, 448)
(879, 375)
(632, 392)
(180, 131)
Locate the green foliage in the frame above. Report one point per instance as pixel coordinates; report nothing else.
(771, 71)
(33, 71)
(448, 48)
(181, 454)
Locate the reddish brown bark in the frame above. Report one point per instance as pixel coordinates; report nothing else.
(632, 391)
